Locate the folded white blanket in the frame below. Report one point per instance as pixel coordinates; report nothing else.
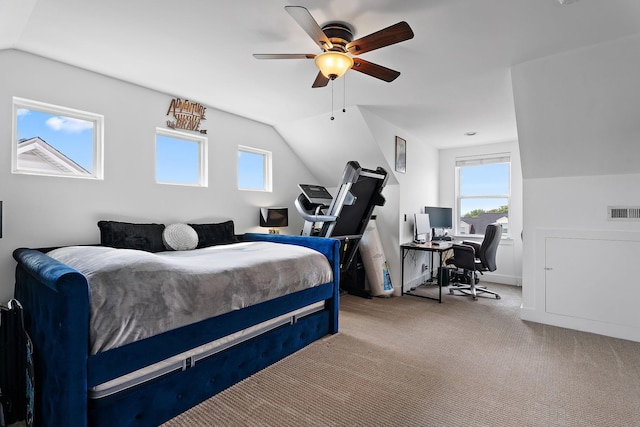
(137, 294)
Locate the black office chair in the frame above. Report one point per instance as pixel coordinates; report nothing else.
(471, 258)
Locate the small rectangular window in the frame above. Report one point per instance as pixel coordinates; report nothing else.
(254, 169)
(484, 192)
(181, 158)
(56, 141)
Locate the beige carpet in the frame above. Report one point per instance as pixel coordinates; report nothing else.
(407, 361)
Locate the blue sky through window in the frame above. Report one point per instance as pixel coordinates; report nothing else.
(251, 170)
(177, 160)
(484, 180)
(70, 136)
(487, 179)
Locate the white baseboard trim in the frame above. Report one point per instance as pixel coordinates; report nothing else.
(413, 283)
(502, 279)
(584, 325)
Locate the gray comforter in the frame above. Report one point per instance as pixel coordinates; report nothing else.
(136, 294)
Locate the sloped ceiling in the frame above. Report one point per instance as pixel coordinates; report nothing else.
(325, 145)
(578, 112)
(455, 71)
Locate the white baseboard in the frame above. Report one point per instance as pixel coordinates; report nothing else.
(414, 283)
(579, 324)
(501, 278)
(487, 277)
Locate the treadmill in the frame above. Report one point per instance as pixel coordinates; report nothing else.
(344, 217)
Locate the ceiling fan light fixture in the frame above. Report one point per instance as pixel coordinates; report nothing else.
(333, 64)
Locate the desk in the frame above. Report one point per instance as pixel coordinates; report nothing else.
(439, 248)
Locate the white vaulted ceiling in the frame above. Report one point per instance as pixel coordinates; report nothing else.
(455, 71)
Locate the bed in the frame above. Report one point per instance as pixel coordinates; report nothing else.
(88, 375)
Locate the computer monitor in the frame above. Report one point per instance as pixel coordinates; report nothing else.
(421, 228)
(439, 217)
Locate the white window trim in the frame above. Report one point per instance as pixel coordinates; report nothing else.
(203, 161)
(268, 187)
(476, 161)
(98, 136)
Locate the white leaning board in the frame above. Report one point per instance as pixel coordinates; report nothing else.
(375, 263)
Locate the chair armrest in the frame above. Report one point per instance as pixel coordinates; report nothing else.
(474, 245)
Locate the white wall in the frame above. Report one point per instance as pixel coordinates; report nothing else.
(509, 255)
(578, 128)
(415, 189)
(575, 208)
(45, 211)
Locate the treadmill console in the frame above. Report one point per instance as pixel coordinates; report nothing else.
(316, 194)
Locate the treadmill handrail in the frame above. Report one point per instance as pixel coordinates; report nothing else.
(312, 217)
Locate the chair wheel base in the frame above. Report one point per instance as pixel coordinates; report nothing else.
(467, 291)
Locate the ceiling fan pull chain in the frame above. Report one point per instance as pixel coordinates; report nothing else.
(332, 118)
(344, 93)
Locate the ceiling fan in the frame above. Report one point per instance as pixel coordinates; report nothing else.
(339, 50)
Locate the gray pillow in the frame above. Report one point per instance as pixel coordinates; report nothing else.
(180, 237)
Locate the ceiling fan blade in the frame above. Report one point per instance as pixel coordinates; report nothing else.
(394, 34)
(320, 81)
(375, 70)
(284, 55)
(309, 25)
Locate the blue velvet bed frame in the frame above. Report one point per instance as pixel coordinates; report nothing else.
(56, 302)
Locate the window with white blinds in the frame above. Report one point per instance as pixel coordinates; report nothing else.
(483, 193)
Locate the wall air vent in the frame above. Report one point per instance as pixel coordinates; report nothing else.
(623, 213)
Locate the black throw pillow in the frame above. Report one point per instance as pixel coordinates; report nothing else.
(126, 235)
(215, 234)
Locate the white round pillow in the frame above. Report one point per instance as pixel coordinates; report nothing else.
(180, 237)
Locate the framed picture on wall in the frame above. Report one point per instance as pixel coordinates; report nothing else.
(401, 155)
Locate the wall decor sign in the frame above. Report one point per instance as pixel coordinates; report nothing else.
(186, 115)
(401, 155)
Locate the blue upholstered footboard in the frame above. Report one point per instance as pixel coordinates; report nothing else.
(56, 302)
